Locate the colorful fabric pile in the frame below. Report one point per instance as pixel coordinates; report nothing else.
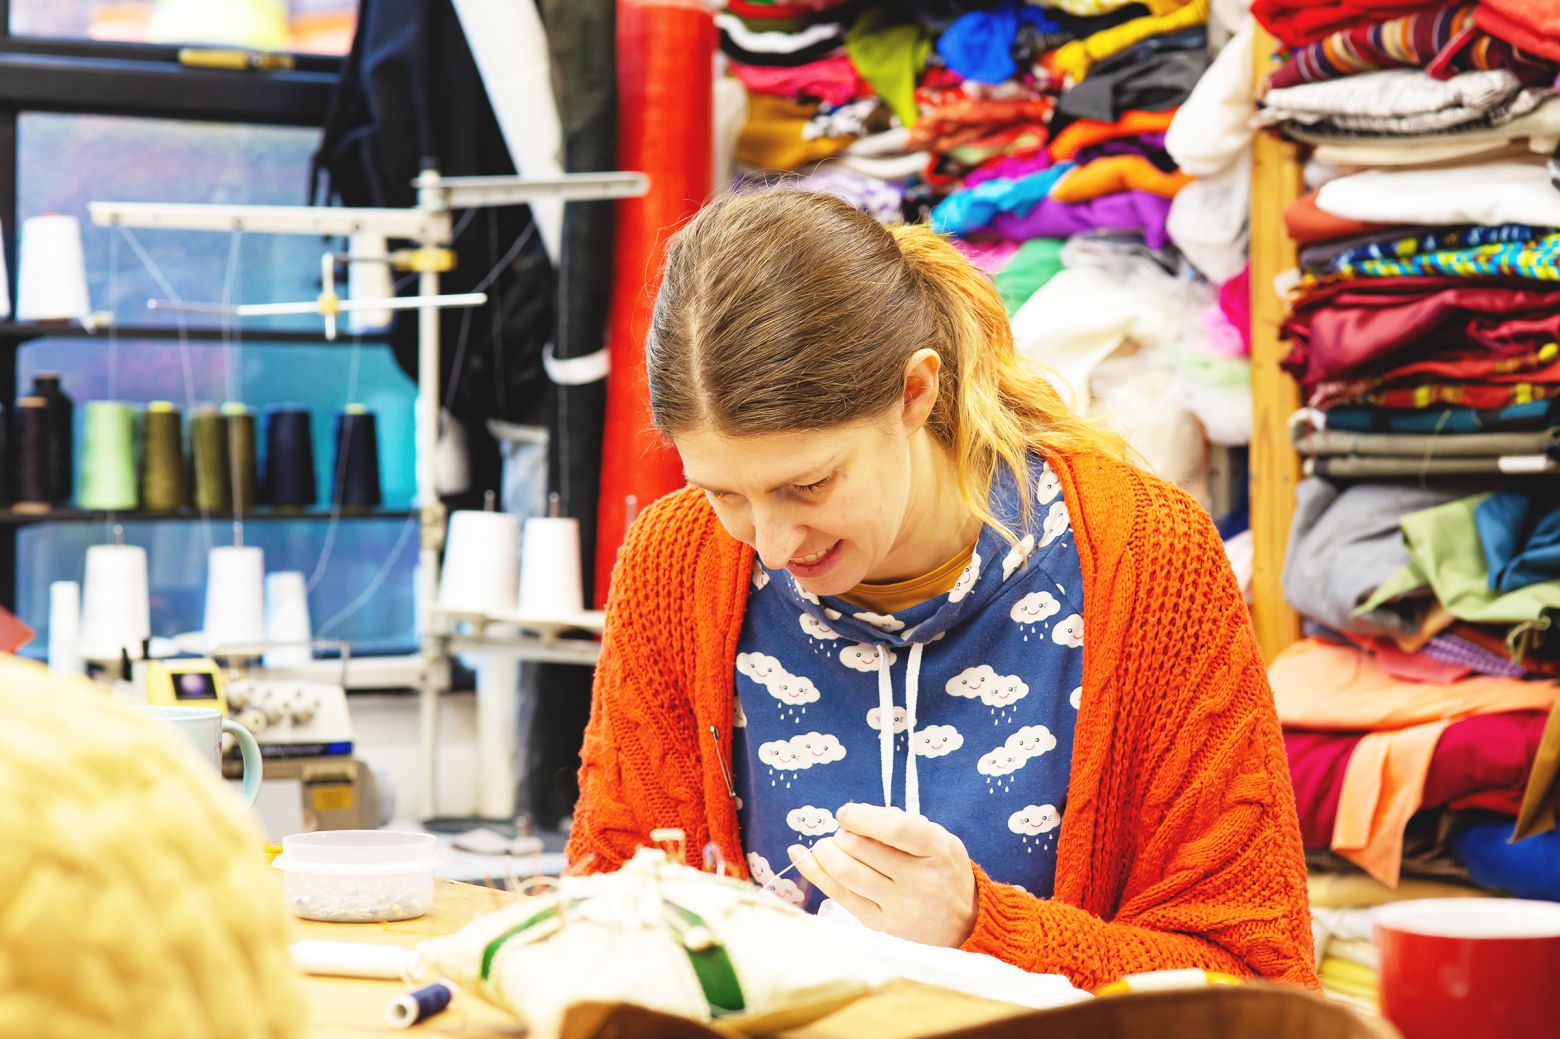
(1421, 718)
(1041, 136)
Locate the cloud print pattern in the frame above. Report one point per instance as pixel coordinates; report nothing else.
(999, 679)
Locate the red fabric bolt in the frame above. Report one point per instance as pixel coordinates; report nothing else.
(665, 128)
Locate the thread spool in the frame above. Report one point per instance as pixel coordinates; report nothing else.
(162, 458)
(407, 1009)
(289, 458)
(30, 455)
(368, 278)
(550, 568)
(53, 281)
(65, 628)
(62, 433)
(357, 459)
(209, 475)
(238, 422)
(481, 573)
(235, 596)
(287, 619)
(108, 457)
(116, 606)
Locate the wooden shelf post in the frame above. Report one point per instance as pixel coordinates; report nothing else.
(1275, 468)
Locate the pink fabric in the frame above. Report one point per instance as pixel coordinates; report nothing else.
(1235, 301)
(990, 257)
(1011, 167)
(834, 81)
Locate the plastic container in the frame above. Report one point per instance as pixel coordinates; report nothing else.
(358, 876)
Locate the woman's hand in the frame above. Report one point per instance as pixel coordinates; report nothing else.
(896, 873)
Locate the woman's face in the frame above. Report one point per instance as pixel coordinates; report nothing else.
(827, 505)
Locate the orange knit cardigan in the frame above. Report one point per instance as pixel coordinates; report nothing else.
(1180, 846)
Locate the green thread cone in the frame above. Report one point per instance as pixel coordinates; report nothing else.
(209, 460)
(162, 458)
(108, 457)
(239, 423)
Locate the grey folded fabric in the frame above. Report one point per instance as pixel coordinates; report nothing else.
(1421, 447)
(1343, 544)
(1388, 467)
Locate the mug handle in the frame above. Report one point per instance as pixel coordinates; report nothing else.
(249, 750)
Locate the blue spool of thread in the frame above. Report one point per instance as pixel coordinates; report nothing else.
(407, 1009)
(357, 459)
(289, 457)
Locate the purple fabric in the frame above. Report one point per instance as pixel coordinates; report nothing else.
(1450, 649)
(1012, 168)
(1123, 211)
(1151, 146)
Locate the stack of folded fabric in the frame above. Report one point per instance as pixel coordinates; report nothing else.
(1420, 714)
(1429, 305)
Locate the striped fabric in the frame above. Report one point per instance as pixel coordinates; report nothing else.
(1538, 260)
(1450, 649)
(1443, 42)
(1432, 240)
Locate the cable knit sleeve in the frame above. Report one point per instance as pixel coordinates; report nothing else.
(640, 765)
(1184, 791)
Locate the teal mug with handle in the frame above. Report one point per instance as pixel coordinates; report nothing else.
(205, 726)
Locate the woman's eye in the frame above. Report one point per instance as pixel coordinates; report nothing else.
(808, 488)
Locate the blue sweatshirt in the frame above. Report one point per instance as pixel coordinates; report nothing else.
(960, 708)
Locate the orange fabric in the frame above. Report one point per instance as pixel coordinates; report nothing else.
(893, 596)
(1113, 173)
(1319, 685)
(1085, 132)
(1307, 222)
(1180, 846)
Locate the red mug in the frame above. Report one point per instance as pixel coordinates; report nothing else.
(1463, 968)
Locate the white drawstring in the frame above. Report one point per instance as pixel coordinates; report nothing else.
(886, 726)
(912, 688)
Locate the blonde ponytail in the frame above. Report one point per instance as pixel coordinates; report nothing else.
(996, 408)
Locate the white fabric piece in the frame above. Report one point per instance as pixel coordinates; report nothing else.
(1208, 219)
(972, 973)
(1361, 100)
(730, 114)
(886, 167)
(616, 940)
(1513, 192)
(1071, 324)
(1102, 306)
(1241, 551)
(509, 45)
(576, 371)
(775, 42)
(1212, 128)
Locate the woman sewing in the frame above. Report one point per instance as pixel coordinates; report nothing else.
(920, 632)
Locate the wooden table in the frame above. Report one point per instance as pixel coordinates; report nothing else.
(354, 1007)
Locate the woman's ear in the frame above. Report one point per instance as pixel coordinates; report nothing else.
(922, 371)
